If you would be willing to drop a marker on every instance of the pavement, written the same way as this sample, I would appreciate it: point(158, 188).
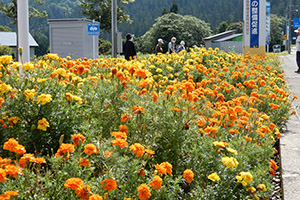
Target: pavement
point(290, 139)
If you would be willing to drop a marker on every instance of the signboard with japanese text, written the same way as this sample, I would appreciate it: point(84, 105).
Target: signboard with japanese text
point(254, 23)
point(94, 28)
point(296, 23)
point(254, 33)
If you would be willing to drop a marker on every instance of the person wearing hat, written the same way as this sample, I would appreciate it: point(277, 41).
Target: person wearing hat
point(181, 46)
point(298, 49)
point(158, 48)
point(171, 46)
point(129, 49)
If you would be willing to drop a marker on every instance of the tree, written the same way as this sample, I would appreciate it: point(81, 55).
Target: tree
point(10, 10)
point(187, 28)
point(164, 11)
point(238, 26)
point(100, 10)
point(222, 27)
point(5, 29)
point(174, 7)
point(276, 29)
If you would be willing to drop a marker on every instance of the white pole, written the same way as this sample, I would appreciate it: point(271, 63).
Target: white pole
point(114, 28)
point(23, 30)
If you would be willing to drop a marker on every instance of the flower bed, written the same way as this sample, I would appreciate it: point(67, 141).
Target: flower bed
point(197, 125)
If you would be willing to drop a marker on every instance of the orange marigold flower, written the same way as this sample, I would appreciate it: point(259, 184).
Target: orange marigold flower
point(2, 175)
point(109, 184)
point(273, 164)
point(149, 152)
point(84, 162)
point(11, 145)
point(120, 142)
point(108, 154)
point(119, 134)
point(141, 73)
point(64, 147)
point(188, 175)
point(11, 193)
point(95, 197)
point(123, 128)
point(123, 96)
point(39, 160)
point(272, 171)
point(78, 139)
point(83, 192)
point(12, 170)
point(293, 112)
point(156, 182)
point(124, 118)
point(137, 149)
point(26, 158)
point(138, 109)
point(176, 109)
point(120, 76)
point(141, 172)
point(160, 169)
point(89, 149)
point(144, 192)
point(164, 168)
point(73, 183)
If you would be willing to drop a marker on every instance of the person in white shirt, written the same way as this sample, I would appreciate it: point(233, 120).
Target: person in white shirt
point(298, 49)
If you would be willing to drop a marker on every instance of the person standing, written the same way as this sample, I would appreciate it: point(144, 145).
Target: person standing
point(298, 49)
point(129, 49)
point(171, 46)
point(158, 48)
point(181, 46)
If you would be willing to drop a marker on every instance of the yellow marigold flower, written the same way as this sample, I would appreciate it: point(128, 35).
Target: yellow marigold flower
point(28, 66)
point(4, 88)
point(43, 124)
point(78, 99)
point(251, 190)
point(244, 178)
point(230, 162)
point(89, 149)
point(12, 121)
point(144, 192)
point(156, 182)
point(220, 144)
point(29, 94)
point(44, 98)
point(109, 184)
point(213, 177)
point(73, 183)
point(137, 149)
point(188, 175)
point(42, 80)
point(95, 197)
point(53, 56)
point(5, 60)
point(69, 96)
point(231, 150)
point(261, 187)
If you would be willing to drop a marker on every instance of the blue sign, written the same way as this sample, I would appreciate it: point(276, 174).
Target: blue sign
point(296, 23)
point(254, 23)
point(268, 22)
point(94, 28)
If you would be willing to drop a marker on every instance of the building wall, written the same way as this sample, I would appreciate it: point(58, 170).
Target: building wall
point(232, 46)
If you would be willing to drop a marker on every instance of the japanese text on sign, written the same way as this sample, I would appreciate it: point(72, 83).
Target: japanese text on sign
point(254, 23)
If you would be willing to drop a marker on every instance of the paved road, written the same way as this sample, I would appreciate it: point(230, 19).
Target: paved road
point(290, 140)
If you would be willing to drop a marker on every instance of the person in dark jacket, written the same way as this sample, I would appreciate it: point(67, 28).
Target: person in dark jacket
point(158, 48)
point(129, 49)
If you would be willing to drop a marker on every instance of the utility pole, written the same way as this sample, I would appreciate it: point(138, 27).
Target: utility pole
point(23, 31)
point(290, 27)
point(114, 28)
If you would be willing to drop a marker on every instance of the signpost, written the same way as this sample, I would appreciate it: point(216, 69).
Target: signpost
point(296, 23)
point(268, 24)
point(94, 30)
point(254, 26)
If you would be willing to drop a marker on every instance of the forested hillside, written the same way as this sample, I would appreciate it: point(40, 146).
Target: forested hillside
point(144, 12)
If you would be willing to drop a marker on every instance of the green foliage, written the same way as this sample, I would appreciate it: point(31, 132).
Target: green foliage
point(186, 28)
point(101, 11)
point(5, 50)
point(104, 47)
point(174, 7)
point(5, 29)
point(222, 27)
point(277, 23)
point(238, 26)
